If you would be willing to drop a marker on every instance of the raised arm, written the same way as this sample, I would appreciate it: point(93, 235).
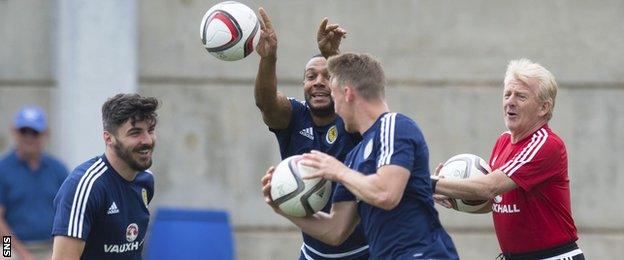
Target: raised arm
point(328, 38)
point(274, 106)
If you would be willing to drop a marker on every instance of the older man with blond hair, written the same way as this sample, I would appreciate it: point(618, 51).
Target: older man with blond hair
point(529, 185)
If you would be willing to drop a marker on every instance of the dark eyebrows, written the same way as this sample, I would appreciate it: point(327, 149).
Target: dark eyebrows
point(134, 128)
point(316, 70)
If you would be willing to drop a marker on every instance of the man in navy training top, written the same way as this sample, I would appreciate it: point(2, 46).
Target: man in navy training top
point(101, 209)
point(29, 179)
point(385, 183)
point(303, 126)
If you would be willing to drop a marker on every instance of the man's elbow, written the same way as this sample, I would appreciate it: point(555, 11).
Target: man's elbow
point(260, 105)
point(387, 201)
point(338, 238)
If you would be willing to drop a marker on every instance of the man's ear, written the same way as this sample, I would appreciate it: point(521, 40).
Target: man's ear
point(349, 93)
point(108, 138)
point(545, 107)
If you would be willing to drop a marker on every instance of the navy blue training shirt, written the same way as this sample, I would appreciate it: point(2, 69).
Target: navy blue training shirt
point(109, 213)
point(412, 229)
point(302, 136)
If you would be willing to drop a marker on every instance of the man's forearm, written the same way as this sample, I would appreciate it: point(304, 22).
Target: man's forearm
point(265, 90)
point(332, 228)
point(383, 189)
point(318, 226)
point(477, 187)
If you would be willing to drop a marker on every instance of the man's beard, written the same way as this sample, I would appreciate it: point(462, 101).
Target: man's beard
point(323, 111)
point(125, 154)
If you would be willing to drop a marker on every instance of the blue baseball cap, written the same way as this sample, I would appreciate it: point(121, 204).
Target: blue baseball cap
point(31, 117)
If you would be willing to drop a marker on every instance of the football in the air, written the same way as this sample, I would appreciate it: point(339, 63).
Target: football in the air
point(463, 166)
point(230, 30)
point(294, 195)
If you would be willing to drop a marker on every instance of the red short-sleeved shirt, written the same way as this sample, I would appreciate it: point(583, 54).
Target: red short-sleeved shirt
point(537, 214)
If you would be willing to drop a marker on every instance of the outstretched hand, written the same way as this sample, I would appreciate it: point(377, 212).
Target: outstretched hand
point(326, 165)
point(328, 38)
point(267, 43)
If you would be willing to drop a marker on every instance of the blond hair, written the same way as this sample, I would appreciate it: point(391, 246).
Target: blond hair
point(362, 71)
point(524, 70)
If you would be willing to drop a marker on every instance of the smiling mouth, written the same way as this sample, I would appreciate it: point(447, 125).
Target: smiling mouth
point(319, 95)
point(144, 152)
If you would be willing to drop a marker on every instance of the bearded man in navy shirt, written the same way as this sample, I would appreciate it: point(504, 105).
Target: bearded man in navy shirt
point(101, 209)
point(303, 126)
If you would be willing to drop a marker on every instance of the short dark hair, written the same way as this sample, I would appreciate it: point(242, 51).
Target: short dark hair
point(363, 71)
point(318, 55)
point(122, 107)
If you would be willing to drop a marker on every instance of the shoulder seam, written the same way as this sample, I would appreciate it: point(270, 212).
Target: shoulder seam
point(528, 152)
point(81, 197)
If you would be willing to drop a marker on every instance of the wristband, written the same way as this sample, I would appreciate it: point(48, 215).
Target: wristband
point(434, 182)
